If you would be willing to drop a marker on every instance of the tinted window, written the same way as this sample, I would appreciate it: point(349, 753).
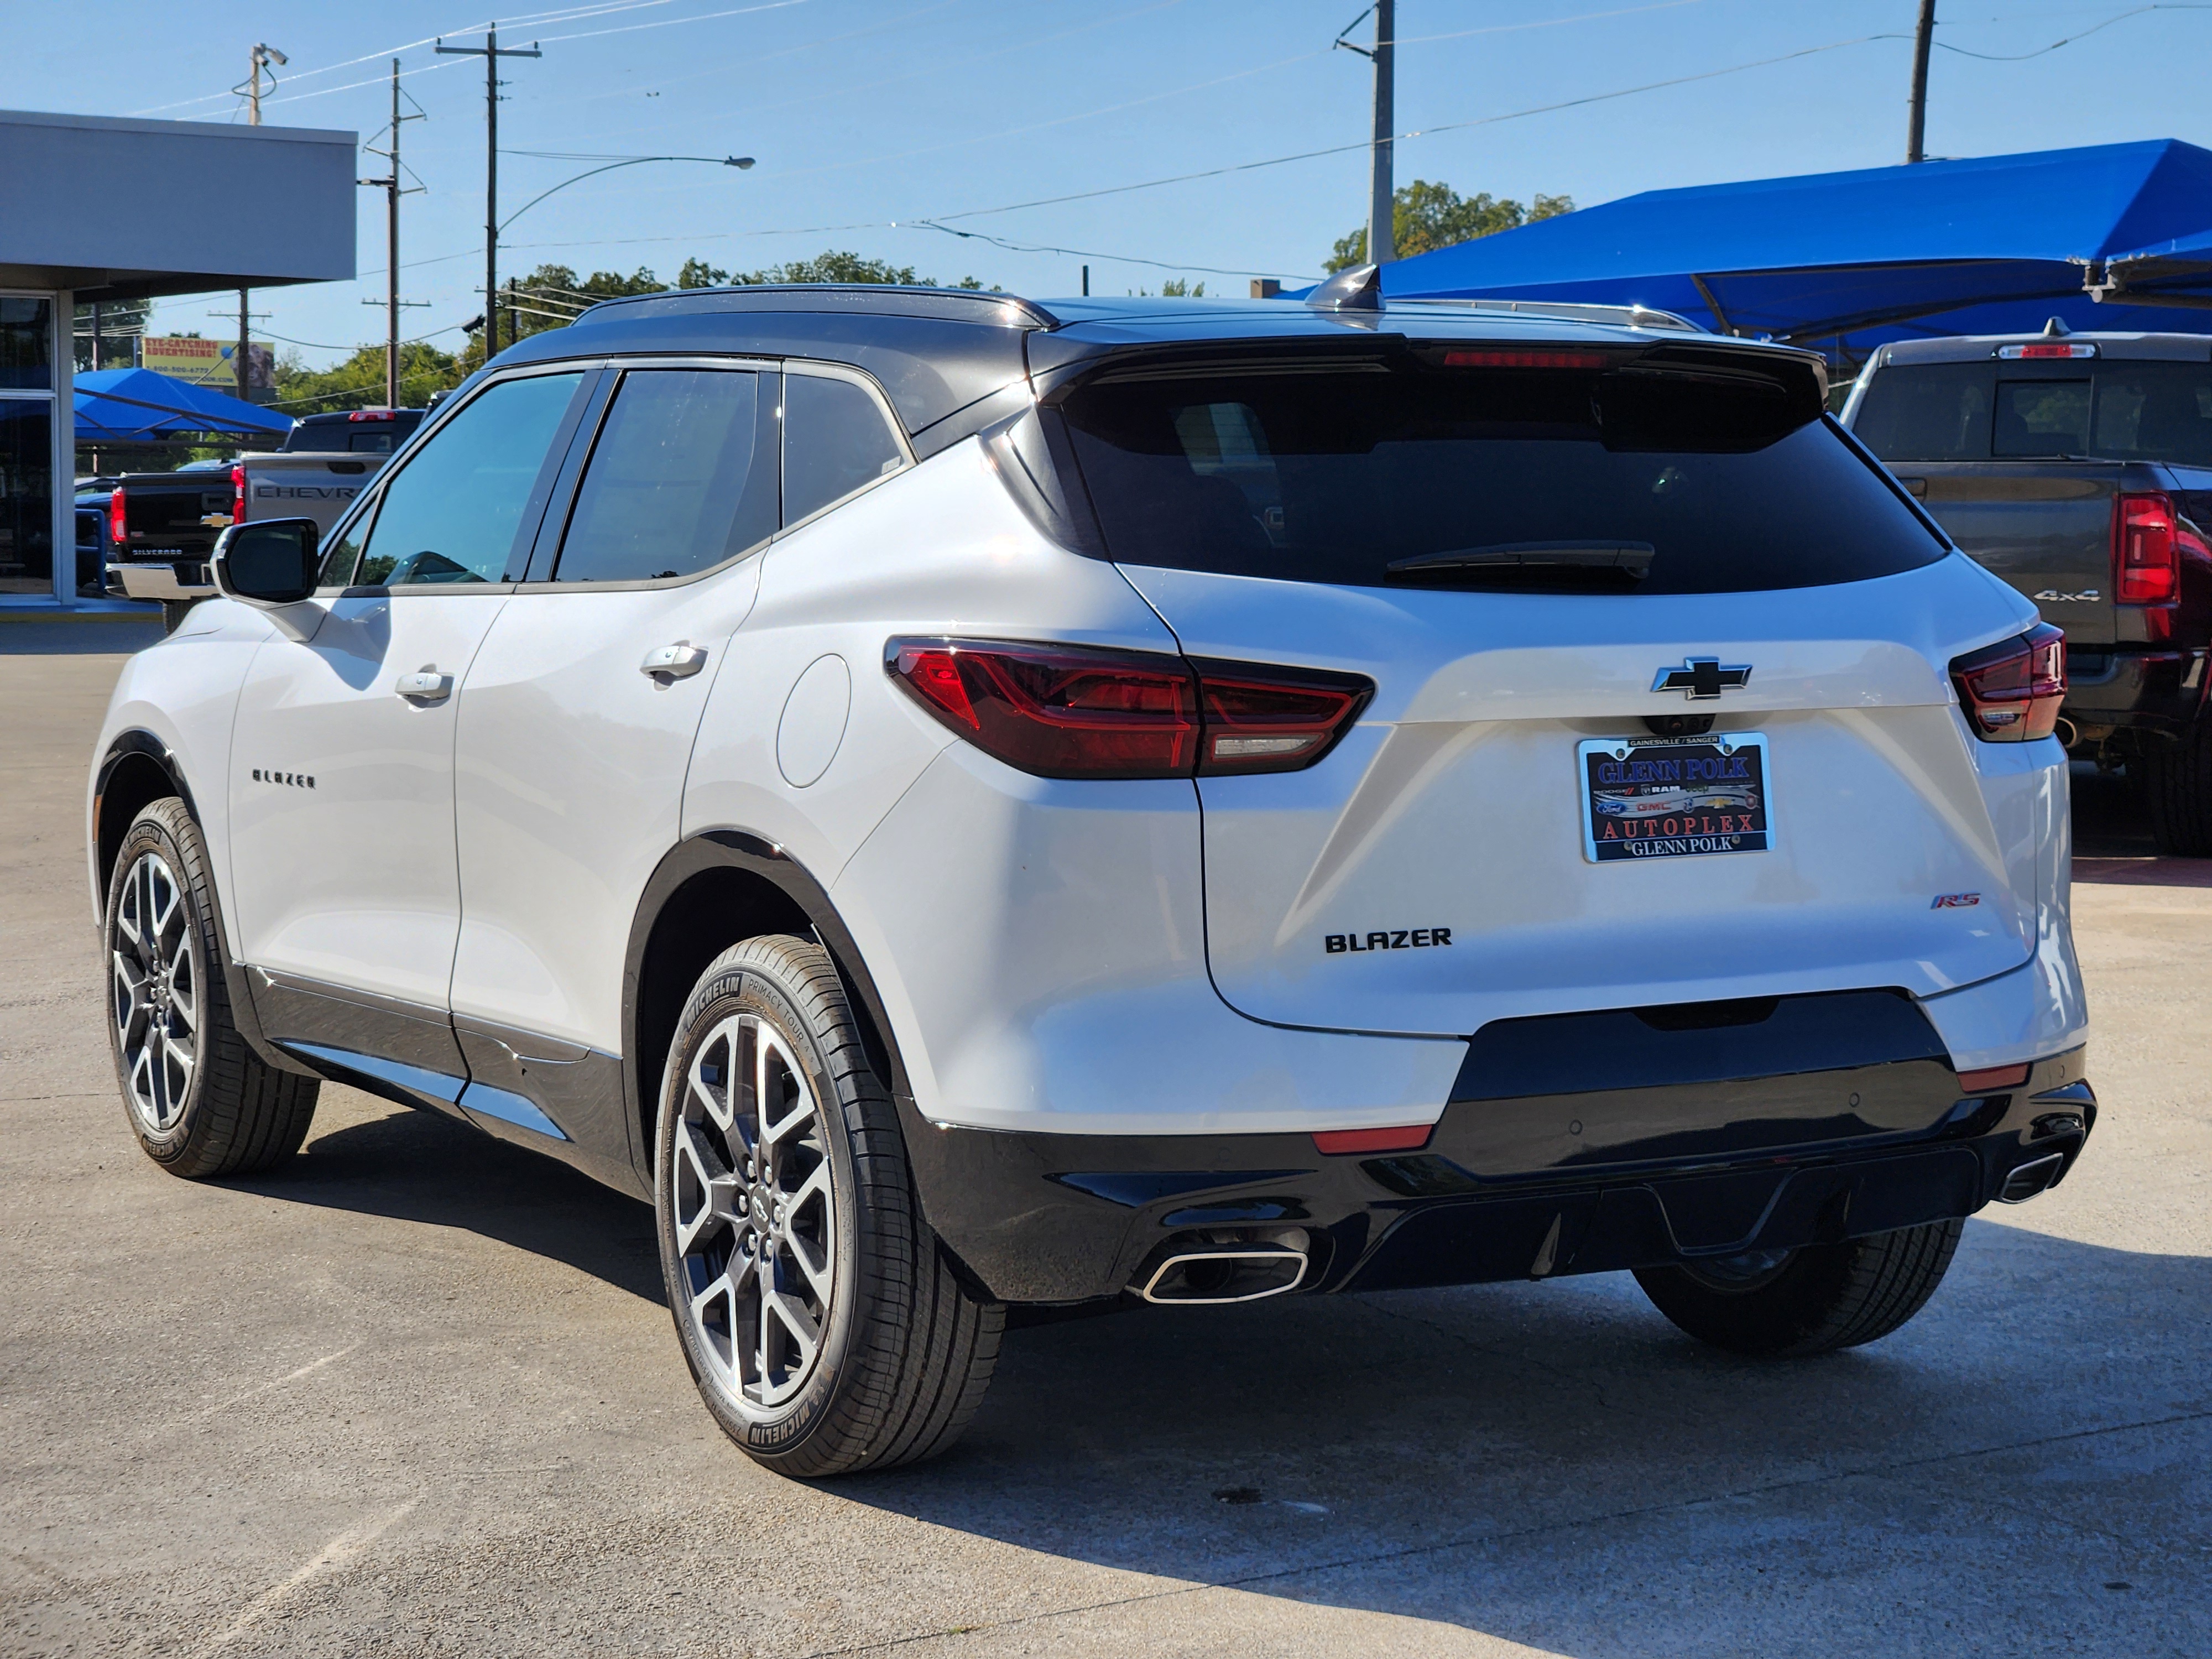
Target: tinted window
point(1931, 412)
point(835, 440)
point(2155, 412)
point(1334, 477)
point(2041, 417)
point(682, 477)
point(2109, 408)
point(380, 440)
point(452, 514)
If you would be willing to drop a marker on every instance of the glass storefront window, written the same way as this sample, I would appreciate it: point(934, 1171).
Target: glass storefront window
point(26, 492)
point(26, 350)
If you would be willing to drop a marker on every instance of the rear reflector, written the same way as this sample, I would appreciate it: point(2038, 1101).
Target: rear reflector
point(1076, 712)
point(1995, 1077)
point(2050, 349)
point(1493, 359)
point(2011, 692)
point(2147, 536)
point(1411, 1139)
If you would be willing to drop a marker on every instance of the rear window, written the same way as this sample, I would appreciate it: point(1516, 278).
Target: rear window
point(1599, 475)
point(2112, 410)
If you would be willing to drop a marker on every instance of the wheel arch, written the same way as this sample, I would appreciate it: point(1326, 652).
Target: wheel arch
point(710, 892)
point(136, 770)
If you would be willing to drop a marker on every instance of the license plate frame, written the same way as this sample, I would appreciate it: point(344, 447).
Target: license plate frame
point(1676, 797)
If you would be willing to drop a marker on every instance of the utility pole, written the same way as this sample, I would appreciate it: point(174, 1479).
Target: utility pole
point(1381, 233)
point(258, 65)
point(491, 52)
point(1916, 119)
point(1382, 236)
point(392, 192)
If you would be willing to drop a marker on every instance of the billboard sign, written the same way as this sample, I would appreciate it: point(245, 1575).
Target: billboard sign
point(205, 362)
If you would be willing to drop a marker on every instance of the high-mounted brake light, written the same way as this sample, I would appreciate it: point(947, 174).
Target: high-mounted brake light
point(1077, 712)
point(116, 530)
point(2011, 691)
point(371, 415)
point(1497, 359)
point(2147, 536)
point(2050, 349)
point(238, 495)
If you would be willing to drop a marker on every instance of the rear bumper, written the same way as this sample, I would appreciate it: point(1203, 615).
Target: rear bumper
point(1526, 1184)
point(185, 579)
point(2145, 692)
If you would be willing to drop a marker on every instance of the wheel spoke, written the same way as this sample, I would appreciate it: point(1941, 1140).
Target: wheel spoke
point(714, 1098)
point(774, 1059)
point(813, 1261)
point(705, 1191)
point(720, 1295)
point(786, 1311)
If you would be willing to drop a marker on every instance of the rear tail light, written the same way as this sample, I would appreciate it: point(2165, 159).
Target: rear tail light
point(1074, 712)
point(116, 529)
point(238, 495)
point(2147, 536)
point(2011, 691)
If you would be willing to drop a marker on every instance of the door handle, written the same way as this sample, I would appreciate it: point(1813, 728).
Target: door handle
point(679, 661)
point(427, 686)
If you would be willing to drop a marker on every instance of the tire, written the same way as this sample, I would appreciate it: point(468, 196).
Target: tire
point(817, 1241)
point(201, 1101)
point(2178, 789)
point(174, 612)
point(1815, 1300)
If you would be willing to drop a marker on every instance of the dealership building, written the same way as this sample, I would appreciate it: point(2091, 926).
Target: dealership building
point(95, 209)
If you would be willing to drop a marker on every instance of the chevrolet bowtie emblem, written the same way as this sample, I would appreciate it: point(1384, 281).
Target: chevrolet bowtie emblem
point(1703, 677)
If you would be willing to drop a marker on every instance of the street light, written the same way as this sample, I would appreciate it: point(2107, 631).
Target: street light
point(741, 162)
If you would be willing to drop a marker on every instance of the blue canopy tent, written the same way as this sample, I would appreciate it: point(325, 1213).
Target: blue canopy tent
point(137, 405)
point(2114, 237)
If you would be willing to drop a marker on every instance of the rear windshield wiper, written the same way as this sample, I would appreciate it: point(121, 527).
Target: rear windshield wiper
point(1609, 563)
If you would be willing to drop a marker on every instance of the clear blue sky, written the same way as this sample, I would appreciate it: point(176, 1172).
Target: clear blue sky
point(866, 115)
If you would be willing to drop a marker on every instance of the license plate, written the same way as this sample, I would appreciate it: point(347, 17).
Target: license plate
point(1671, 798)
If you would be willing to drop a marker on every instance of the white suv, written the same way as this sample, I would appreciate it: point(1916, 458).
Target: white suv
point(972, 806)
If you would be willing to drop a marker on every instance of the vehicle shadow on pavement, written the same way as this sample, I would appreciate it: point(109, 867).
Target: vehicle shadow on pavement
point(418, 1166)
point(1556, 1465)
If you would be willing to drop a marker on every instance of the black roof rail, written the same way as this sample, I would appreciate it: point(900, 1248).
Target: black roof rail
point(906, 298)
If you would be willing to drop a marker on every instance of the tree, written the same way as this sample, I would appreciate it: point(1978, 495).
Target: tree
point(358, 382)
point(1425, 217)
point(119, 320)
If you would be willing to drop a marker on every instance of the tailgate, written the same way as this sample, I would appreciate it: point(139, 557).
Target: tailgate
point(2045, 527)
point(1431, 874)
point(317, 487)
point(166, 517)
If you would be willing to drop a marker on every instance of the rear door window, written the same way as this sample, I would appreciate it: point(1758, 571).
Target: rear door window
point(835, 440)
point(2111, 409)
point(1593, 476)
point(681, 478)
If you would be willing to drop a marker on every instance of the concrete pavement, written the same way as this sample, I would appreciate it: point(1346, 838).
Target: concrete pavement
point(416, 1394)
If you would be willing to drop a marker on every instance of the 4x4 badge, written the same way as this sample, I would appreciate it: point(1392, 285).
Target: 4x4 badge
point(1703, 677)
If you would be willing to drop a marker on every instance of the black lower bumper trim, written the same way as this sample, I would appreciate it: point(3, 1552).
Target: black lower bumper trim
point(1505, 1188)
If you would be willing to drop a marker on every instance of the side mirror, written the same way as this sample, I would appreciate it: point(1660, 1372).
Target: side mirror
point(269, 561)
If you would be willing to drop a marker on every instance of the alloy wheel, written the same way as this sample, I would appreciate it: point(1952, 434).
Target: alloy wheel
point(154, 993)
point(755, 1214)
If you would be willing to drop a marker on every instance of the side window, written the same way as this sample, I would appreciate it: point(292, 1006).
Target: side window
point(835, 440)
point(682, 477)
point(451, 515)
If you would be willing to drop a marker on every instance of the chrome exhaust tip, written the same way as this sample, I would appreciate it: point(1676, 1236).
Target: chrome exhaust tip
point(2067, 732)
point(2031, 1178)
point(1215, 1274)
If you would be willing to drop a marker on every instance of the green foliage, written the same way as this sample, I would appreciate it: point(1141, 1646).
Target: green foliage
point(1425, 217)
point(358, 382)
point(118, 320)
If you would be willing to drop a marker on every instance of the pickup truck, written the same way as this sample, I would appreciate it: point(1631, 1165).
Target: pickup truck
point(2078, 467)
point(161, 527)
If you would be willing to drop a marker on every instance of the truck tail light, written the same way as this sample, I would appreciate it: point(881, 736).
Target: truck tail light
point(2147, 539)
point(2011, 691)
point(238, 495)
point(117, 531)
point(1064, 711)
